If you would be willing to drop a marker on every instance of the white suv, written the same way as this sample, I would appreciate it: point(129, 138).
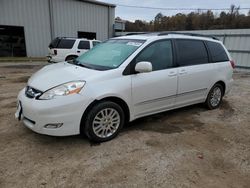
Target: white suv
point(123, 79)
point(66, 49)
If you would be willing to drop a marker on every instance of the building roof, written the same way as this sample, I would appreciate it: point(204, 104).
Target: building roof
point(99, 3)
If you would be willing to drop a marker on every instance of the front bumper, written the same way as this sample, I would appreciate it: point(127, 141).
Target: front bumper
point(66, 110)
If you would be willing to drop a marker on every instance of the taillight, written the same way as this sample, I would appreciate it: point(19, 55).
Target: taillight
point(55, 52)
point(232, 64)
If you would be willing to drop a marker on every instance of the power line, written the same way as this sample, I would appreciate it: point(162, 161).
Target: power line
point(172, 8)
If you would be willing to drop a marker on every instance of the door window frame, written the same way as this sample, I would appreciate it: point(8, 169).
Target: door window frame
point(89, 47)
point(210, 53)
point(176, 51)
point(130, 68)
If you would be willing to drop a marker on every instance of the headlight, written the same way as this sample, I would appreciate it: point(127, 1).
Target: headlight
point(63, 90)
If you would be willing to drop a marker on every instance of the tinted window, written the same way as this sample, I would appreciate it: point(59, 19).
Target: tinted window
point(191, 52)
point(54, 43)
point(66, 43)
point(217, 52)
point(96, 43)
point(159, 54)
point(84, 45)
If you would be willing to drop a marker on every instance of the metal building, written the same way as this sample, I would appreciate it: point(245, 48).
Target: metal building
point(28, 26)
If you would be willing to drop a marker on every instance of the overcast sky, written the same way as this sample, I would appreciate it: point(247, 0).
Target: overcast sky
point(146, 14)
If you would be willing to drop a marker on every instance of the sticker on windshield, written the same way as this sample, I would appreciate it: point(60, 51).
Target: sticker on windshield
point(137, 44)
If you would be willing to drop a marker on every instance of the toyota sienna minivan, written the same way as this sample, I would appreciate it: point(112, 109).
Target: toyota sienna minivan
point(123, 79)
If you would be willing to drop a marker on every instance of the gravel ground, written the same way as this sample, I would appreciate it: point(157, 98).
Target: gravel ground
point(188, 147)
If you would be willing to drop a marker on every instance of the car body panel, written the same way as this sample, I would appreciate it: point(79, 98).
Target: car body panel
point(144, 93)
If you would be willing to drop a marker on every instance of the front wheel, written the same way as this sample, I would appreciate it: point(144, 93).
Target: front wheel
point(214, 97)
point(104, 121)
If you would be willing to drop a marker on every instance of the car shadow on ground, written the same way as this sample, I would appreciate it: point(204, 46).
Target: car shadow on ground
point(170, 122)
point(174, 121)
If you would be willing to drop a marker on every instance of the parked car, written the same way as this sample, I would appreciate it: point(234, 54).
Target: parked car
point(66, 49)
point(123, 79)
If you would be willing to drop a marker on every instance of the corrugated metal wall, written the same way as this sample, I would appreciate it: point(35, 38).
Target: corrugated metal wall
point(33, 16)
point(237, 41)
point(69, 17)
point(72, 16)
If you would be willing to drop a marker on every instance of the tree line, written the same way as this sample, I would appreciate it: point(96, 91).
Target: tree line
point(198, 20)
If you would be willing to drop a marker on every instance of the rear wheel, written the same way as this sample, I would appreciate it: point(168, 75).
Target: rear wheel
point(71, 57)
point(104, 121)
point(214, 97)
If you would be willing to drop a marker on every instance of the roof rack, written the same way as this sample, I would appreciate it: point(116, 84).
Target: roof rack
point(189, 34)
point(72, 38)
point(136, 33)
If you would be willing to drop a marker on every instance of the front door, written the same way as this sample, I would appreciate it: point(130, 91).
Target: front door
point(155, 91)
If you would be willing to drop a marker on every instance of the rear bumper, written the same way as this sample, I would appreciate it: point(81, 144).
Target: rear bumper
point(229, 86)
point(49, 59)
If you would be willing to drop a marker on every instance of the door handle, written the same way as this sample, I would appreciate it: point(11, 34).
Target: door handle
point(78, 51)
point(182, 71)
point(172, 73)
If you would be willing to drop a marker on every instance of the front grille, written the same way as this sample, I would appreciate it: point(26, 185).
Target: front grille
point(31, 92)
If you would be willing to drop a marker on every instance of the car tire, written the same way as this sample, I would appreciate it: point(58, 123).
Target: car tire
point(71, 57)
point(104, 121)
point(214, 97)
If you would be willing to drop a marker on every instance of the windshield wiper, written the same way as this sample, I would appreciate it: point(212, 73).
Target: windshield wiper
point(81, 64)
point(88, 66)
point(73, 61)
point(76, 62)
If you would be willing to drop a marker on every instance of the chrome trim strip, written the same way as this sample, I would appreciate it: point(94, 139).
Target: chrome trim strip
point(168, 97)
point(153, 111)
point(194, 91)
point(155, 100)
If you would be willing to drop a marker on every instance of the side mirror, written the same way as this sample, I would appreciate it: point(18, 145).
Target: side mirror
point(143, 66)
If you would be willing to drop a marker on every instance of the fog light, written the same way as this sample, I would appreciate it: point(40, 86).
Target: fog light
point(53, 126)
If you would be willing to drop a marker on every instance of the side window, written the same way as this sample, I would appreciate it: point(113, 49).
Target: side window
point(84, 45)
point(66, 44)
point(191, 52)
point(218, 53)
point(96, 43)
point(159, 54)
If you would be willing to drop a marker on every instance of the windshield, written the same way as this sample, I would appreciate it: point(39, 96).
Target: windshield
point(110, 54)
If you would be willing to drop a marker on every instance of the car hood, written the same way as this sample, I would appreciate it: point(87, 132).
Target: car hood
point(59, 73)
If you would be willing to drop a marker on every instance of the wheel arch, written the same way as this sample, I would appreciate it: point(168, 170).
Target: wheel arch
point(71, 55)
point(222, 83)
point(114, 99)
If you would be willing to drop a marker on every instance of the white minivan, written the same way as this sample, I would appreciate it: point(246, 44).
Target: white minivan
point(123, 79)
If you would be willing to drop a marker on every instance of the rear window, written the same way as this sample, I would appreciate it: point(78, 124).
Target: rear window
point(84, 45)
point(66, 43)
point(191, 52)
point(217, 52)
point(54, 43)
